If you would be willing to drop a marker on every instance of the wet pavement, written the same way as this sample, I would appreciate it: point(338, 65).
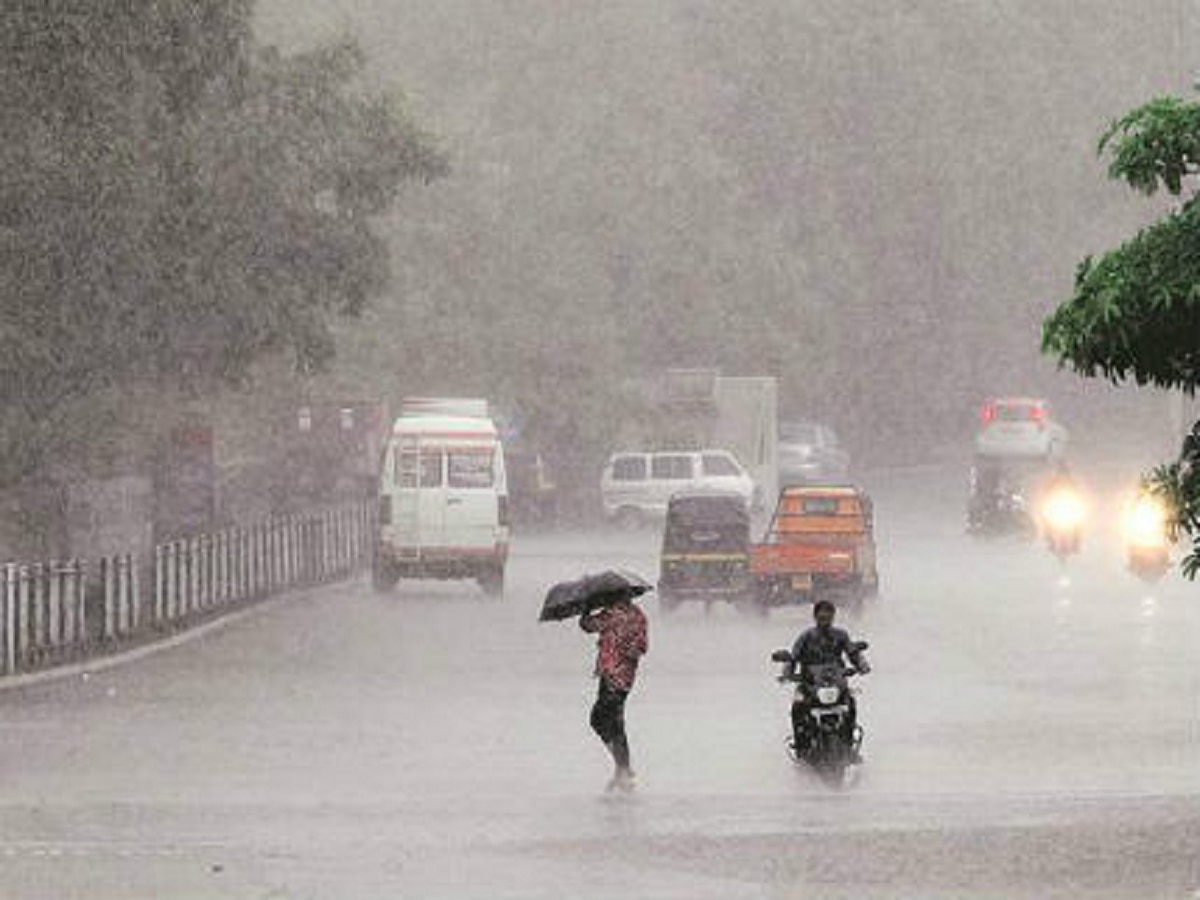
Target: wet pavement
point(1031, 732)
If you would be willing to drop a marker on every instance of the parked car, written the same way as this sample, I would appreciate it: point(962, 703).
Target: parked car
point(705, 549)
point(1020, 427)
point(636, 486)
point(809, 453)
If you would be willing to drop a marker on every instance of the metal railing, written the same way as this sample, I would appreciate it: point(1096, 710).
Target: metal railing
point(60, 611)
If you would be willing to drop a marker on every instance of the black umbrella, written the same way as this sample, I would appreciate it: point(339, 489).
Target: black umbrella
point(574, 598)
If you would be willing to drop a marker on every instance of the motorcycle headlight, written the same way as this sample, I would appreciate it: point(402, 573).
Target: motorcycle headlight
point(827, 696)
point(1146, 522)
point(1064, 510)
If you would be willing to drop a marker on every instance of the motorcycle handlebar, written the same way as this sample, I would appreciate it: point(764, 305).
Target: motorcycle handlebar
point(795, 677)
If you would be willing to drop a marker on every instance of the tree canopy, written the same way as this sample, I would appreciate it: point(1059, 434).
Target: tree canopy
point(1135, 312)
point(177, 201)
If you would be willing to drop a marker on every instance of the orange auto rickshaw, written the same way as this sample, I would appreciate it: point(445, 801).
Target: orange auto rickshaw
point(821, 541)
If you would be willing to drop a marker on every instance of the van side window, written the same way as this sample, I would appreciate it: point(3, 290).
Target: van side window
point(471, 469)
point(629, 468)
point(671, 468)
point(717, 464)
point(406, 468)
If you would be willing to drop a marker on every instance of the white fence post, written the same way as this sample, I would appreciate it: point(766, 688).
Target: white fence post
point(174, 579)
point(135, 593)
point(23, 616)
point(124, 593)
point(67, 601)
point(193, 555)
point(54, 617)
point(108, 578)
point(37, 609)
point(222, 568)
point(201, 557)
point(10, 618)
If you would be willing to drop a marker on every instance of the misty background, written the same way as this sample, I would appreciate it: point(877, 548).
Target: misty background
point(877, 202)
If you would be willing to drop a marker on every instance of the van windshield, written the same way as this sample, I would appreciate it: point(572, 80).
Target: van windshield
point(471, 469)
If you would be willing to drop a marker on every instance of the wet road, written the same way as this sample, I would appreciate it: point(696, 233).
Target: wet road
point(1030, 734)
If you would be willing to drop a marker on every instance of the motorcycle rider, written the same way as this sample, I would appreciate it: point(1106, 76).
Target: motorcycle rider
point(823, 644)
point(985, 496)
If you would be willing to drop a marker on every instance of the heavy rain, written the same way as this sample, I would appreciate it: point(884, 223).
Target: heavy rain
point(430, 432)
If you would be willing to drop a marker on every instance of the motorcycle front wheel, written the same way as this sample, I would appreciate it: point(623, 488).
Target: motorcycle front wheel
point(832, 759)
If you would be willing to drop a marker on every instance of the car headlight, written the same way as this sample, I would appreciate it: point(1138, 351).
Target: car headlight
point(827, 696)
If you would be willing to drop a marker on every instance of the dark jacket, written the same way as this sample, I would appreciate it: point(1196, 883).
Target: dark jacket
point(818, 646)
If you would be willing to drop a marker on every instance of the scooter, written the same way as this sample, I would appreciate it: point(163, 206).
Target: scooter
point(1063, 514)
point(1147, 544)
point(826, 693)
point(1007, 513)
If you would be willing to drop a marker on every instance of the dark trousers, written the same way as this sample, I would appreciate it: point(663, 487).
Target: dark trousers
point(608, 721)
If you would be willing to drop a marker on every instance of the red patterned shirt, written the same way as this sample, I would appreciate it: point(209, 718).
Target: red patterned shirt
point(622, 641)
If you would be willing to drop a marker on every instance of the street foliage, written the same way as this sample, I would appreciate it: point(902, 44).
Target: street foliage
point(177, 202)
point(1135, 311)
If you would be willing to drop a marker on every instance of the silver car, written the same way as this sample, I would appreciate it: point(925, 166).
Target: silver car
point(809, 453)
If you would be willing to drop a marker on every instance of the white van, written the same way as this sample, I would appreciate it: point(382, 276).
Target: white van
point(636, 486)
point(443, 496)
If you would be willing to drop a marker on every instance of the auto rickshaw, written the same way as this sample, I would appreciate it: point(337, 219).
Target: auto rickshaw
point(705, 549)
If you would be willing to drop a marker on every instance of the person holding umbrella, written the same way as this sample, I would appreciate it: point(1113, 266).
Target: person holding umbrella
point(604, 604)
point(622, 642)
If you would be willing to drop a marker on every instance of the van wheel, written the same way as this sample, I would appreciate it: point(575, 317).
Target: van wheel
point(383, 577)
point(492, 582)
point(629, 519)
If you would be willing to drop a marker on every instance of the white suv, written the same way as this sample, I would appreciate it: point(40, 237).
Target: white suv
point(636, 486)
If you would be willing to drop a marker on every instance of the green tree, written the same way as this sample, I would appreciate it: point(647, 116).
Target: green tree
point(1135, 312)
point(177, 202)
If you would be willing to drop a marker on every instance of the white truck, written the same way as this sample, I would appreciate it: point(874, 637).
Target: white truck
point(443, 496)
point(746, 422)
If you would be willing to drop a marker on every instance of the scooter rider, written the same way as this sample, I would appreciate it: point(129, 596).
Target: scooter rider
point(822, 644)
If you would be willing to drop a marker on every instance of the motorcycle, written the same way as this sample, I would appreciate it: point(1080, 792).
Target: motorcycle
point(1063, 514)
point(1006, 513)
point(826, 693)
point(1147, 543)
